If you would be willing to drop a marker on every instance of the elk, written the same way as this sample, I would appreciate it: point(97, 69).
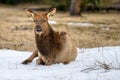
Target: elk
point(51, 46)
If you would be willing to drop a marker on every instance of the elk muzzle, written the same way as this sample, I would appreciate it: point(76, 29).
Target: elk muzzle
point(38, 29)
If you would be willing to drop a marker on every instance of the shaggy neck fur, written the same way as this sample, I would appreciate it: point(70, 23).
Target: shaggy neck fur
point(50, 43)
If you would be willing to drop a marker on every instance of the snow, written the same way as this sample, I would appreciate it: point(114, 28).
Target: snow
point(80, 24)
point(52, 22)
point(86, 67)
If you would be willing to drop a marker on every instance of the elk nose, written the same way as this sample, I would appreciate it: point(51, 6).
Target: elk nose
point(38, 28)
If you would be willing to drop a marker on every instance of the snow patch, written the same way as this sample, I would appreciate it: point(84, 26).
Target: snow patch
point(52, 22)
point(80, 24)
point(73, 23)
point(85, 67)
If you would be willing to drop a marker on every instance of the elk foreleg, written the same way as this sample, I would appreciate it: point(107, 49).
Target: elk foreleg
point(29, 60)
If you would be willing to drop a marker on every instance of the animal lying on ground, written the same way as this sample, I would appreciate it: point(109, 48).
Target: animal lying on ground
point(51, 46)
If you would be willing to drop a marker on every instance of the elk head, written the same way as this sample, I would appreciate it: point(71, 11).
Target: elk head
point(41, 20)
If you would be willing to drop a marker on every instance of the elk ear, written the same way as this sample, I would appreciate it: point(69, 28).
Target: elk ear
point(51, 12)
point(30, 13)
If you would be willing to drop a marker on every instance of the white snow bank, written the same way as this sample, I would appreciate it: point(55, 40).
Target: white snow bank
point(73, 23)
point(85, 67)
point(52, 22)
point(80, 24)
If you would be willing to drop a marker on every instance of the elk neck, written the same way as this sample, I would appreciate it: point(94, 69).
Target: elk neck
point(44, 42)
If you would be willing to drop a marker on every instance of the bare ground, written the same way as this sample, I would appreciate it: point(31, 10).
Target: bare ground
point(16, 29)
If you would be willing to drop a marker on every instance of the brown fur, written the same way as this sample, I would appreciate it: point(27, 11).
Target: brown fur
point(51, 46)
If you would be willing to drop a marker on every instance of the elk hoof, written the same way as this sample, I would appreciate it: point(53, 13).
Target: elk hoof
point(65, 62)
point(38, 61)
point(26, 61)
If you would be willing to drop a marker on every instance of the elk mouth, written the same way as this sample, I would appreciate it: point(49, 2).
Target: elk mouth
point(38, 29)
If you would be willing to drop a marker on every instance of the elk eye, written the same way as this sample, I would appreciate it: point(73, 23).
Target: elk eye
point(34, 20)
point(38, 28)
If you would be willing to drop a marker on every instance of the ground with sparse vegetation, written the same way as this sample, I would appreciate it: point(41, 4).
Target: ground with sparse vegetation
point(16, 28)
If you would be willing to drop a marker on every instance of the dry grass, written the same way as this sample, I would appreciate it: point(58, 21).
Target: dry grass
point(16, 29)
